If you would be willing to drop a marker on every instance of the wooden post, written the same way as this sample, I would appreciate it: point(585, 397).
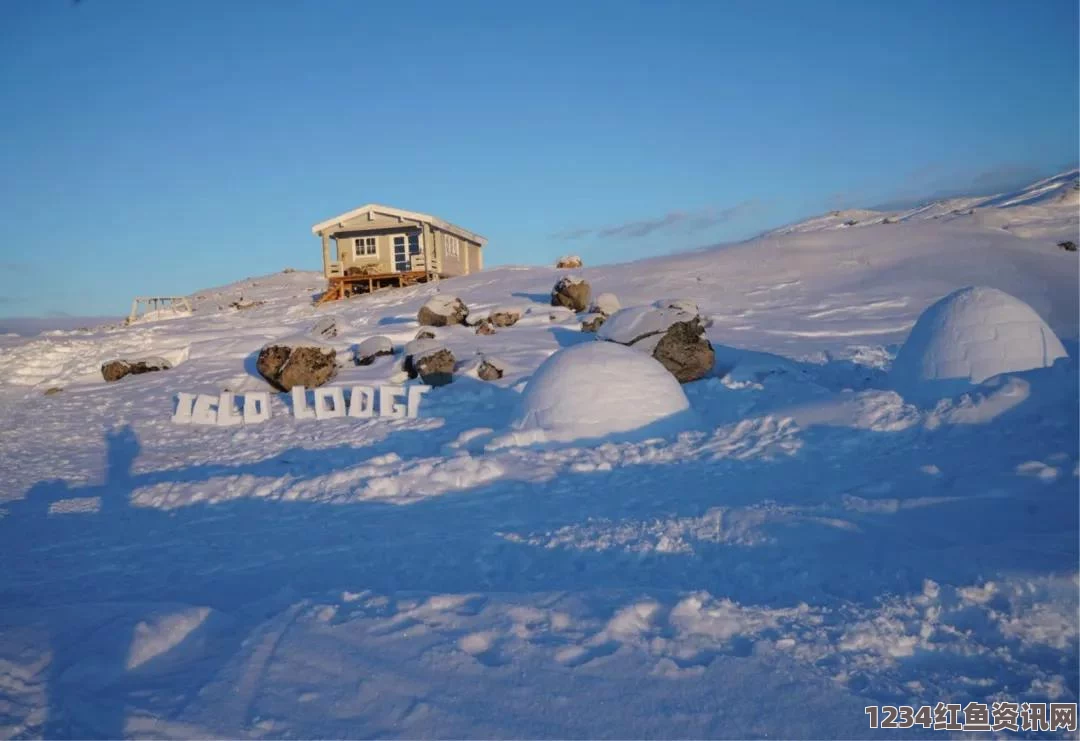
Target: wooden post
point(325, 254)
point(429, 242)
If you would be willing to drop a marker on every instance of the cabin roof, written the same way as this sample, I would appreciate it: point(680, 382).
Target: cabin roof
point(329, 224)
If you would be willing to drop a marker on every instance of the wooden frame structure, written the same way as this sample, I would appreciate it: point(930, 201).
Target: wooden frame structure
point(154, 304)
point(343, 286)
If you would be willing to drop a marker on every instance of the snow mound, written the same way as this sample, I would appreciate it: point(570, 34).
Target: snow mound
point(969, 336)
point(595, 390)
point(373, 346)
point(605, 303)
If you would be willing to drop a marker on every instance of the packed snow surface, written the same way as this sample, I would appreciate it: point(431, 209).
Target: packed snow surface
point(595, 390)
point(969, 336)
point(812, 545)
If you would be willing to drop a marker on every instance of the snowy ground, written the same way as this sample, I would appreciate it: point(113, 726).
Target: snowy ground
point(818, 544)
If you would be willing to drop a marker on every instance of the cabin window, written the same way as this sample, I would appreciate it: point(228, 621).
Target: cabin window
point(451, 245)
point(364, 247)
point(414, 244)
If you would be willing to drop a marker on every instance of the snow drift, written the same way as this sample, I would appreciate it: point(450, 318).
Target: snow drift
point(969, 336)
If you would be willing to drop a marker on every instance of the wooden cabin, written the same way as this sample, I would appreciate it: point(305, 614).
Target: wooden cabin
point(377, 246)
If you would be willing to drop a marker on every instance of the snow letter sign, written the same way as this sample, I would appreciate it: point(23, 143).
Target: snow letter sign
point(327, 402)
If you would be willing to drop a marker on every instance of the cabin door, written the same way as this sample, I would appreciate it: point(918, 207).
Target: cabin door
point(405, 246)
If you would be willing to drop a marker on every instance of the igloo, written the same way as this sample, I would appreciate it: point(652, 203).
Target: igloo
point(969, 336)
point(598, 389)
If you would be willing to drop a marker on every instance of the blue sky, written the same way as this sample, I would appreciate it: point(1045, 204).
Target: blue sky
point(163, 147)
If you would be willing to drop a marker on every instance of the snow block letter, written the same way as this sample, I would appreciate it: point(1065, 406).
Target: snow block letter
point(415, 392)
point(362, 402)
point(329, 402)
point(256, 407)
point(300, 407)
point(205, 410)
point(387, 407)
point(184, 402)
point(226, 415)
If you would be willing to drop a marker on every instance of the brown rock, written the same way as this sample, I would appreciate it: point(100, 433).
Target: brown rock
point(284, 367)
point(53, 390)
point(573, 293)
point(485, 327)
point(593, 324)
point(435, 368)
point(488, 371)
point(425, 334)
point(568, 261)
point(114, 370)
point(685, 352)
point(504, 318)
point(441, 311)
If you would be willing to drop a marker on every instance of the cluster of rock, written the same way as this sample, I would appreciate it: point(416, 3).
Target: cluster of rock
point(114, 370)
point(671, 331)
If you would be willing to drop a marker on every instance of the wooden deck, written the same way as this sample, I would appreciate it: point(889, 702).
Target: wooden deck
point(343, 286)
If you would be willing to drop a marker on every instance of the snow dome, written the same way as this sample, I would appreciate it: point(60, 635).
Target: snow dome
point(597, 389)
point(969, 336)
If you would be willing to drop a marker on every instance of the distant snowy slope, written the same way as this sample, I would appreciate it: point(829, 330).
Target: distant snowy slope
point(1047, 207)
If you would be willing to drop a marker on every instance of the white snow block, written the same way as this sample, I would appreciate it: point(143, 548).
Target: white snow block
point(362, 402)
point(416, 391)
point(301, 410)
point(184, 403)
point(967, 337)
point(204, 412)
point(387, 407)
point(329, 402)
point(256, 407)
point(228, 415)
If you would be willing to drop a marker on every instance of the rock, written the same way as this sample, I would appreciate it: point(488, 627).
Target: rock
point(285, 366)
point(674, 337)
point(1068, 245)
point(568, 261)
point(114, 370)
point(53, 390)
point(489, 370)
point(571, 292)
point(485, 327)
point(435, 367)
point(371, 348)
point(244, 303)
point(593, 323)
point(606, 304)
point(441, 311)
point(685, 352)
point(504, 317)
point(424, 334)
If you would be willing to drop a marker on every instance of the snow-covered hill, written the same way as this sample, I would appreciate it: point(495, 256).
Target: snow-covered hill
point(1045, 208)
point(816, 543)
